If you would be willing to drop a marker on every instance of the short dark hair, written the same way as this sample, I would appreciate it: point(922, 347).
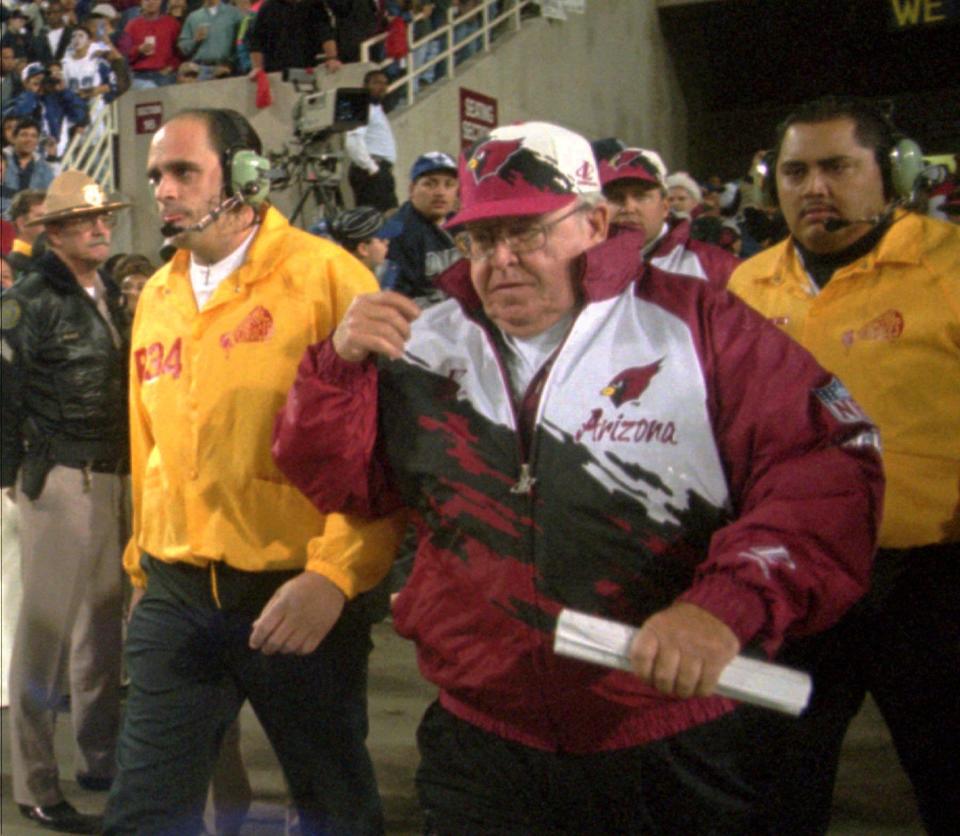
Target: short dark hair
point(873, 129)
point(228, 129)
point(130, 264)
point(26, 122)
point(24, 201)
point(371, 73)
point(229, 132)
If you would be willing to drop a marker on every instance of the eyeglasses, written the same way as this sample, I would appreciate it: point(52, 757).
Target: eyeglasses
point(85, 224)
point(522, 238)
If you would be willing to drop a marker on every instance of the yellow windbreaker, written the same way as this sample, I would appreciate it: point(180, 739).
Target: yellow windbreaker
point(205, 388)
point(888, 325)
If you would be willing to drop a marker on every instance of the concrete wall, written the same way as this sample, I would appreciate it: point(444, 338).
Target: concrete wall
point(605, 73)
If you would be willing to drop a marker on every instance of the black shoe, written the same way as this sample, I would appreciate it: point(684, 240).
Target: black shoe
point(94, 783)
point(63, 817)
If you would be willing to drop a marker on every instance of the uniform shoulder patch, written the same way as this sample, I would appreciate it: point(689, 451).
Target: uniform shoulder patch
point(10, 313)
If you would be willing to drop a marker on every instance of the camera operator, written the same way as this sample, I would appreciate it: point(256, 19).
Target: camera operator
point(47, 100)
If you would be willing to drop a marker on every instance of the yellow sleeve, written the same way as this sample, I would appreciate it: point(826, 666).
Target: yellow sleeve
point(355, 553)
point(141, 443)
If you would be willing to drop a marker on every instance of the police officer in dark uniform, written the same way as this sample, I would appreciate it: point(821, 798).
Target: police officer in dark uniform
point(64, 454)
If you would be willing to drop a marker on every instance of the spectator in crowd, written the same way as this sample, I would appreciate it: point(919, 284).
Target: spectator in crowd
point(130, 274)
point(7, 127)
point(209, 36)
point(634, 181)
point(26, 169)
point(87, 72)
point(483, 417)
point(242, 62)
point(356, 20)
point(292, 34)
point(178, 10)
point(361, 233)
point(67, 466)
point(10, 84)
point(47, 100)
point(150, 46)
point(872, 291)
point(373, 151)
point(718, 232)
point(683, 195)
point(252, 634)
point(7, 274)
point(20, 39)
point(712, 193)
point(420, 248)
point(430, 16)
point(25, 211)
point(463, 30)
point(70, 14)
point(52, 41)
point(7, 192)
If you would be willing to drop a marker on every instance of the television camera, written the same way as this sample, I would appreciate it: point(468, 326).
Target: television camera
point(311, 161)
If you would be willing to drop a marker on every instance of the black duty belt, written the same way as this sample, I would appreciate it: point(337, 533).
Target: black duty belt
point(96, 456)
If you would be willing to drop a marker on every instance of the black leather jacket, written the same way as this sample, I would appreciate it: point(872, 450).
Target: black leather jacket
point(64, 381)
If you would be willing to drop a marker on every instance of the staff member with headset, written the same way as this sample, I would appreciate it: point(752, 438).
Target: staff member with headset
point(234, 600)
point(873, 290)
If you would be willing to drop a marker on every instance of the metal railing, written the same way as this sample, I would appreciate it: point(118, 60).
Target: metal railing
point(435, 55)
point(438, 53)
point(92, 150)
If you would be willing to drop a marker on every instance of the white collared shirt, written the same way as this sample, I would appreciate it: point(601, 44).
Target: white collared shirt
point(205, 278)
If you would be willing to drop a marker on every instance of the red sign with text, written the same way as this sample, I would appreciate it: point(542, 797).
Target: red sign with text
point(148, 117)
point(478, 116)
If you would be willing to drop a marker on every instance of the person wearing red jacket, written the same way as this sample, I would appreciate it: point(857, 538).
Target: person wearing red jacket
point(634, 182)
point(576, 428)
point(149, 43)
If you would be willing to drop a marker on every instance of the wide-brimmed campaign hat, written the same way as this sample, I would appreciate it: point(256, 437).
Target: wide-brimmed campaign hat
point(526, 169)
point(73, 194)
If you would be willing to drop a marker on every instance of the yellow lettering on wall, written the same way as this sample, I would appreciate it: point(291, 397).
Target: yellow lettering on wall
point(907, 12)
point(932, 11)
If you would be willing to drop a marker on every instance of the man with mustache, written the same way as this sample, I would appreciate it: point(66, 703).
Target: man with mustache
point(64, 433)
point(873, 291)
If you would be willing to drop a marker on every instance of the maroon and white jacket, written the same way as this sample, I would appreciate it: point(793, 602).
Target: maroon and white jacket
point(677, 446)
point(677, 252)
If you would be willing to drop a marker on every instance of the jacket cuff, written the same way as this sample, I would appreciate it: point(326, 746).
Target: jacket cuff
point(741, 608)
point(336, 371)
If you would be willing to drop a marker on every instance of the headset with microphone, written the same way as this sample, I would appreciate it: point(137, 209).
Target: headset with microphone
point(246, 173)
point(901, 164)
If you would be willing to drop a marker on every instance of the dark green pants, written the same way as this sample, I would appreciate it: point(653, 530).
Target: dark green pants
point(191, 669)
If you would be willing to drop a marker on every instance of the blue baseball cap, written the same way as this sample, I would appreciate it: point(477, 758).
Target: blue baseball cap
point(430, 162)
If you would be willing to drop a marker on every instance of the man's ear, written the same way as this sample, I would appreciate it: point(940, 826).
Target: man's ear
point(598, 222)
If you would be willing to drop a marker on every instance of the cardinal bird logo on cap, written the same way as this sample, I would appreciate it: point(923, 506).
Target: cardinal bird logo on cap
point(631, 158)
point(630, 384)
point(510, 161)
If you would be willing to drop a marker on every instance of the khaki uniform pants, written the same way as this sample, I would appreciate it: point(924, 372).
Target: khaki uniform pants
point(68, 636)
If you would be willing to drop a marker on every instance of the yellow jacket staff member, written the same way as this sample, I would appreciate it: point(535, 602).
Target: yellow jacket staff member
point(875, 295)
point(239, 599)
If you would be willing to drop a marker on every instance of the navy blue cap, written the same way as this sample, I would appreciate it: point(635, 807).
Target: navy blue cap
point(433, 161)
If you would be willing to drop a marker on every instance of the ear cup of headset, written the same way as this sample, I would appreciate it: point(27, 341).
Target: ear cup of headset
point(248, 176)
point(906, 166)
